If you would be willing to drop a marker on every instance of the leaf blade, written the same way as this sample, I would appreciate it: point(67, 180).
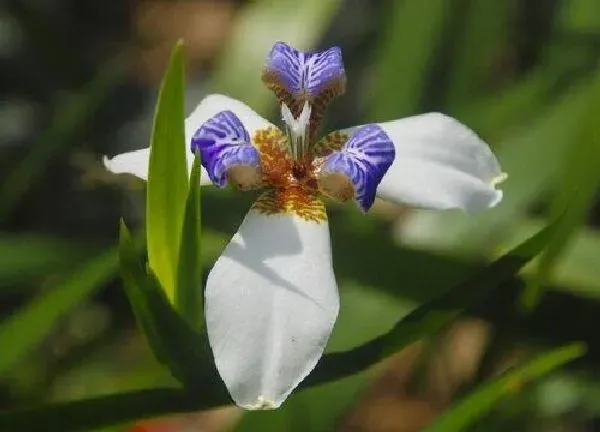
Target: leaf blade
point(189, 295)
point(167, 175)
point(575, 195)
point(173, 342)
point(431, 316)
point(24, 330)
point(481, 400)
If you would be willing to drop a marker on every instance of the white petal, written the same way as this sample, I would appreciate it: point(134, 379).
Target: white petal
point(136, 162)
point(271, 303)
point(440, 164)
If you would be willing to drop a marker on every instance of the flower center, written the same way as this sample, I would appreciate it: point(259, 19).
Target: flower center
point(291, 183)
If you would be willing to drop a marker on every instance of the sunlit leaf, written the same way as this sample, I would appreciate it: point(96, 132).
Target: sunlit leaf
point(480, 401)
point(167, 176)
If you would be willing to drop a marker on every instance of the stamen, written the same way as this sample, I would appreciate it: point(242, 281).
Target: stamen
point(297, 130)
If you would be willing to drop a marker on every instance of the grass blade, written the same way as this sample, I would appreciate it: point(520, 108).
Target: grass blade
point(189, 294)
point(577, 187)
point(27, 256)
point(102, 411)
point(431, 317)
point(404, 59)
point(480, 401)
point(26, 328)
point(173, 341)
point(167, 176)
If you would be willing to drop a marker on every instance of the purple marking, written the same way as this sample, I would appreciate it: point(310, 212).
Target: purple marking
point(364, 159)
point(299, 72)
point(223, 142)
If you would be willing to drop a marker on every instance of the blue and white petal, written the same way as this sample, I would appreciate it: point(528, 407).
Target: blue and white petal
point(226, 151)
point(440, 164)
point(136, 162)
point(304, 74)
point(357, 168)
point(271, 302)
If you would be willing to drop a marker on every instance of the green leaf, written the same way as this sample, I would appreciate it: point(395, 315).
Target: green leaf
point(23, 331)
point(173, 341)
point(167, 176)
point(577, 270)
point(431, 317)
point(472, 407)
point(577, 188)
point(412, 36)
point(103, 411)
point(482, 36)
point(189, 292)
point(28, 256)
point(169, 333)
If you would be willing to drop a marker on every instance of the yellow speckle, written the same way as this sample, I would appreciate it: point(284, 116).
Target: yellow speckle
point(291, 186)
point(262, 404)
point(499, 179)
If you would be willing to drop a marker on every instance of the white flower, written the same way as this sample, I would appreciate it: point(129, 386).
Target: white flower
point(271, 298)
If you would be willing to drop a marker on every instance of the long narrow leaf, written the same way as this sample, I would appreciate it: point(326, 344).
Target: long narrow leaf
point(188, 292)
point(404, 59)
point(23, 331)
point(575, 195)
point(172, 340)
point(167, 176)
point(433, 316)
point(483, 399)
point(28, 256)
point(423, 321)
point(102, 411)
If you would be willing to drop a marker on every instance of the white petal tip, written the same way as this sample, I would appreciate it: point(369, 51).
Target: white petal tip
point(135, 163)
point(499, 179)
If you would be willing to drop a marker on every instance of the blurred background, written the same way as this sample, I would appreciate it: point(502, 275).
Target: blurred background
point(79, 80)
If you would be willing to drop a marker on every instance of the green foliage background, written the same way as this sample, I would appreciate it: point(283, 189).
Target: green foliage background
point(523, 74)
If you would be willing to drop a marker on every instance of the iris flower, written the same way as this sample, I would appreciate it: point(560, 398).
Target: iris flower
point(271, 299)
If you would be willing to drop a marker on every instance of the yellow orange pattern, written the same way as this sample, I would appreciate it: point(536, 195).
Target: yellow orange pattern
point(291, 185)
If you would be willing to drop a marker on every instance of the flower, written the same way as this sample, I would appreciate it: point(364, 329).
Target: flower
point(271, 297)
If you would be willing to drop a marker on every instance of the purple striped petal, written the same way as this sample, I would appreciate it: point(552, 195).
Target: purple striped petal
point(296, 77)
point(360, 165)
point(224, 143)
point(303, 73)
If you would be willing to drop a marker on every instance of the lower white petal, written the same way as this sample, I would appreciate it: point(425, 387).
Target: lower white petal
point(136, 162)
point(271, 303)
point(440, 164)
